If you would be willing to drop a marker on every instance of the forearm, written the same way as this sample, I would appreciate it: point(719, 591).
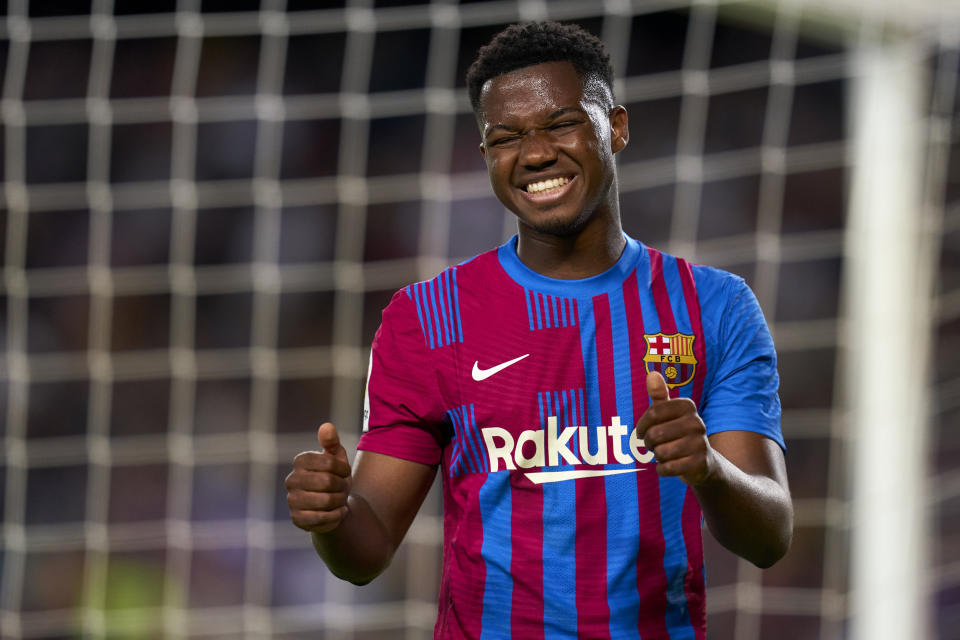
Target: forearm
point(751, 515)
point(360, 548)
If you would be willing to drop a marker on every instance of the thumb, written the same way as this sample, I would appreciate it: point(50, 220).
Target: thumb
point(657, 388)
point(330, 441)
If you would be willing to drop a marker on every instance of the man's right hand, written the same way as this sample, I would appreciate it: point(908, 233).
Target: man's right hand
point(319, 484)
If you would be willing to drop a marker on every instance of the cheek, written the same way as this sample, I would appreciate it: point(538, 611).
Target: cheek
point(493, 169)
point(599, 149)
point(588, 142)
point(498, 166)
point(601, 139)
point(589, 152)
point(499, 174)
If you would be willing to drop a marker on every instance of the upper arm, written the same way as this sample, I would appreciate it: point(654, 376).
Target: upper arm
point(405, 422)
point(394, 489)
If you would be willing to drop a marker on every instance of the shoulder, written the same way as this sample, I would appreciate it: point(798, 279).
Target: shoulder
point(722, 295)
point(731, 314)
point(714, 282)
point(714, 288)
point(729, 310)
point(447, 282)
point(433, 305)
point(476, 267)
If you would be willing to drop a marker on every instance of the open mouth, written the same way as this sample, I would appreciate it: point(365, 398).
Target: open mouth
point(546, 186)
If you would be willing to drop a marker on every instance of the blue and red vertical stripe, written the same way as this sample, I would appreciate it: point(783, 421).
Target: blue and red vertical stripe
point(469, 453)
point(549, 312)
point(438, 308)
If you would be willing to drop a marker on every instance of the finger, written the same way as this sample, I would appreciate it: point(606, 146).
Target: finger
point(676, 467)
point(660, 413)
point(691, 469)
point(329, 439)
point(313, 501)
point(322, 463)
point(318, 521)
point(317, 481)
point(677, 449)
point(657, 388)
point(674, 421)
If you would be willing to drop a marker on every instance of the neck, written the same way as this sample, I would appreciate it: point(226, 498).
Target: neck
point(588, 252)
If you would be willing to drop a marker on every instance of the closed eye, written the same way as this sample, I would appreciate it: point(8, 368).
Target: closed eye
point(499, 142)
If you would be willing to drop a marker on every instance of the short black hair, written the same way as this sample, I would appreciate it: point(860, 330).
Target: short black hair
point(527, 44)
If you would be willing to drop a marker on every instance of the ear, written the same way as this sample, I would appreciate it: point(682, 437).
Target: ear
point(483, 151)
point(619, 128)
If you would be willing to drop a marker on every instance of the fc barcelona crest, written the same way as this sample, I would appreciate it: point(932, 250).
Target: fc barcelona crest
point(671, 355)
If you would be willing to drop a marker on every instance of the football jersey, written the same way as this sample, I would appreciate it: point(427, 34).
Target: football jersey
point(525, 390)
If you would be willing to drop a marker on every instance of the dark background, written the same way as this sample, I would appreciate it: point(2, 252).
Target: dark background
point(207, 205)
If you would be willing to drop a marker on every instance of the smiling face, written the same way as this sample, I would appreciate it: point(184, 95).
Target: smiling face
point(548, 142)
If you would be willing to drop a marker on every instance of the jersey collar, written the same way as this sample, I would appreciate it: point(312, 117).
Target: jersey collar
point(581, 288)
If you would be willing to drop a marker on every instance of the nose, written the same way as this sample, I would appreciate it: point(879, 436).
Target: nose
point(536, 150)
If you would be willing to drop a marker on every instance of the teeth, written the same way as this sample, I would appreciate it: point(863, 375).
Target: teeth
point(546, 185)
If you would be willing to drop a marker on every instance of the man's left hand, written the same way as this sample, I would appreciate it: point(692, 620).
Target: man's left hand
point(672, 429)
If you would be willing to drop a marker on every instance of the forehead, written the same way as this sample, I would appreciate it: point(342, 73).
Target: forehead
point(530, 90)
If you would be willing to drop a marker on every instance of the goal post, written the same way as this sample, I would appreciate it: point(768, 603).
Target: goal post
point(889, 302)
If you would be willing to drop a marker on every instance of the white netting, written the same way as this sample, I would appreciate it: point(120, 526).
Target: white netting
point(207, 204)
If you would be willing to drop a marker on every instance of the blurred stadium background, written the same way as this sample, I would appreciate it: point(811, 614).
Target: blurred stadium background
point(207, 203)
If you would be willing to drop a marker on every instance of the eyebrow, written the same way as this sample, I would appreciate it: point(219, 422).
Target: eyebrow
point(553, 116)
point(563, 111)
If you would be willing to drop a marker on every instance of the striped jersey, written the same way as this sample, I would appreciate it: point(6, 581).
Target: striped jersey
point(524, 390)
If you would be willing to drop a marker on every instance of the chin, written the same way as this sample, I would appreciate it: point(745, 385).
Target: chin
point(559, 228)
point(556, 225)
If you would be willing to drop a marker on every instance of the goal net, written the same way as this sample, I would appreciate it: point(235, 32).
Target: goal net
point(207, 204)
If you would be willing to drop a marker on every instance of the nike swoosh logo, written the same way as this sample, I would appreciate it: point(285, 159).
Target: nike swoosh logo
point(482, 374)
point(539, 477)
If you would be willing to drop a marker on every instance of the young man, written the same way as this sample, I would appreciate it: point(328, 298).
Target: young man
point(521, 374)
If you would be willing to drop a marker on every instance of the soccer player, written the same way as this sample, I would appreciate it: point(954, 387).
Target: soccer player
point(587, 399)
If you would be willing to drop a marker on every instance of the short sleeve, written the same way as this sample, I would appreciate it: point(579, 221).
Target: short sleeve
point(742, 389)
point(403, 415)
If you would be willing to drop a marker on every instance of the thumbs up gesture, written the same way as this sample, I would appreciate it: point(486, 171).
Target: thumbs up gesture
point(672, 429)
point(319, 484)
